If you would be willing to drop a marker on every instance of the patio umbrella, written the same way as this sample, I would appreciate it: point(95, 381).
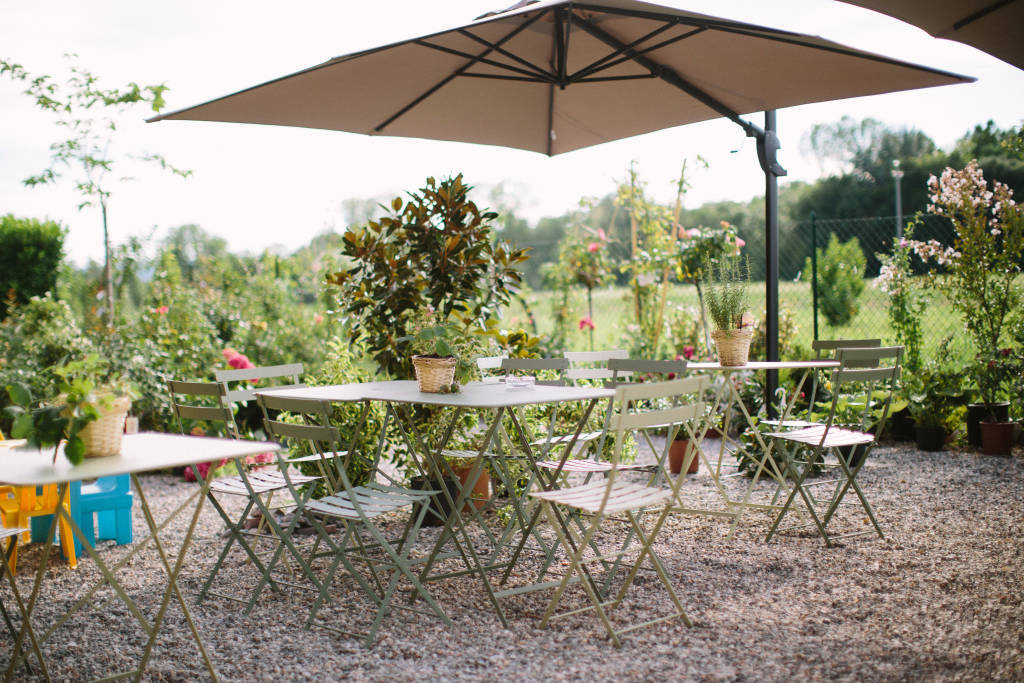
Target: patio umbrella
point(993, 26)
point(556, 76)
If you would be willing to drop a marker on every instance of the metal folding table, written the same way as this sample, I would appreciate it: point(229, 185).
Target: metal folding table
point(139, 453)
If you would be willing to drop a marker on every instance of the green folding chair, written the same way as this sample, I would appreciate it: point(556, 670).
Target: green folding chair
point(646, 406)
point(866, 379)
point(359, 509)
point(206, 402)
point(621, 371)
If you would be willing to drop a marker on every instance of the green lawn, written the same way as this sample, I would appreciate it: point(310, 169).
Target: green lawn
point(613, 314)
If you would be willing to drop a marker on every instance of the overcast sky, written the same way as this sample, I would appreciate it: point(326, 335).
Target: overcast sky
point(259, 186)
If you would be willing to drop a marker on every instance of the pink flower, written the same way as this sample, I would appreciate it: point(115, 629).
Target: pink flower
point(601, 234)
point(688, 351)
point(740, 242)
point(240, 362)
point(593, 246)
point(690, 234)
point(204, 470)
point(317, 319)
point(586, 322)
point(161, 310)
point(229, 353)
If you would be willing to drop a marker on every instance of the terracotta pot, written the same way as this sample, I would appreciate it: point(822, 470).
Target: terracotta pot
point(976, 412)
point(997, 438)
point(481, 490)
point(677, 454)
point(930, 438)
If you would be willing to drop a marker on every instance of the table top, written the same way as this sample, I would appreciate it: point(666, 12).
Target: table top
point(768, 365)
point(139, 453)
point(472, 395)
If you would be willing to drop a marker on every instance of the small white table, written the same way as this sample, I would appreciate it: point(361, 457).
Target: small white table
point(139, 453)
point(728, 399)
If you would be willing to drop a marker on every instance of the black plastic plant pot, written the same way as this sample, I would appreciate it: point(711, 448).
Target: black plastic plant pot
point(977, 412)
point(930, 438)
point(853, 455)
point(440, 509)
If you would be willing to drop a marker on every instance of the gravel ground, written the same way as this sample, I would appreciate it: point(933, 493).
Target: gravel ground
point(941, 598)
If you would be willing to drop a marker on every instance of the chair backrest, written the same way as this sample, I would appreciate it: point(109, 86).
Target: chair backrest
point(673, 406)
point(864, 381)
point(192, 401)
point(555, 365)
point(633, 370)
point(591, 365)
point(323, 438)
point(247, 390)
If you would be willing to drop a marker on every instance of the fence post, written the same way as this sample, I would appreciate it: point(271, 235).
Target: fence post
point(814, 272)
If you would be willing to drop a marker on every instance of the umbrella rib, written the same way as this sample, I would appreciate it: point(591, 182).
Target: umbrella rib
point(602, 79)
point(670, 76)
point(600, 65)
point(505, 77)
point(983, 12)
point(533, 72)
point(774, 34)
point(525, 62)
point(458, 72)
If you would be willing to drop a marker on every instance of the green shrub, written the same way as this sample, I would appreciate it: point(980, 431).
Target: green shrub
point(30, 257)
point(840, 279)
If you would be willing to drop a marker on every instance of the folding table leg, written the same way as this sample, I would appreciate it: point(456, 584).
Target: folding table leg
point(26, 623)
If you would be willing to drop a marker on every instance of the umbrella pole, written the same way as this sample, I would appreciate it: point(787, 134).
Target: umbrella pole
point(767, 146)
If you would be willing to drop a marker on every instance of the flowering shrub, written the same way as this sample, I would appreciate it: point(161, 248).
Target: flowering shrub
point(981, 270)
point(906, 300)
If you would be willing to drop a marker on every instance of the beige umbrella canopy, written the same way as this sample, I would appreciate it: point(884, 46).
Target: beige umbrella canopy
point(994, 26)
point(553, 77)
point(559, 75)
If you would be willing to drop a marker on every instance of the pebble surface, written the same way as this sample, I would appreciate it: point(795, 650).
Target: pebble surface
point(940, 598)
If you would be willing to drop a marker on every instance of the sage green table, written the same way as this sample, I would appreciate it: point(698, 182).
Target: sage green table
point(491, 396)
point(139, 453)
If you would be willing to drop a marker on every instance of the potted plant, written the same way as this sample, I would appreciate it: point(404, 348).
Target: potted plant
point(994, 373)
point(678, 451)
point(725, 295)
point(481, 492)
point(934, 393)
point(438, 345)
point(980, 272)
point(88, 414)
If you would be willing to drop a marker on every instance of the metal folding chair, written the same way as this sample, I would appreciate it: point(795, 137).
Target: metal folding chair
point(359, 509)
point(257, 486)
point(646, 406)
point(621, 371)
point(823, 349)
point(866, 377)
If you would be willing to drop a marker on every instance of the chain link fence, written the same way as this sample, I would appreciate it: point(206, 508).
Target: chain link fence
point(802, 319)
point(873, 236)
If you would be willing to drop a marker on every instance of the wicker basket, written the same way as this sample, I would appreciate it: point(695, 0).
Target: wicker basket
point(102, 436)
point(733, 346)
point(433, 374)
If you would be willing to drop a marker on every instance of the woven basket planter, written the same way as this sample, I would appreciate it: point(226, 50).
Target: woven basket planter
point(733, 346)
point(433, 374)
point(102, 437)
